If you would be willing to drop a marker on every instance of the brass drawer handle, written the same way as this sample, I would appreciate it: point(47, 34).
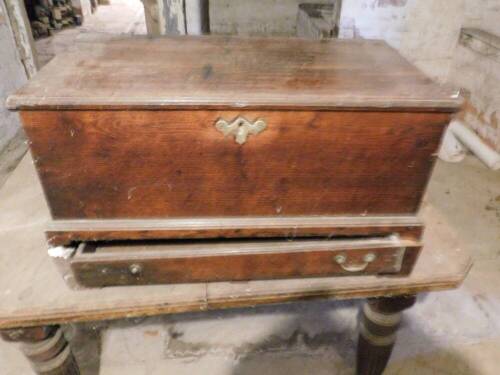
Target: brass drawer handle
point(367, 259)
point(240, 128)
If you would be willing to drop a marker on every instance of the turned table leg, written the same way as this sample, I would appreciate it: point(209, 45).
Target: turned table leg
point(46, 348)
point(379, 324)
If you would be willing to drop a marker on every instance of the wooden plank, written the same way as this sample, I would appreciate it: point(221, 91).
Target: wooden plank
point(232, 72)
point(34, 293)
point(176, 164)
point(64, 232)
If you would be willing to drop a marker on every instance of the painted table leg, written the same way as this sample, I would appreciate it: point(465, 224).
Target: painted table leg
point(379, 324)
point(46, 348)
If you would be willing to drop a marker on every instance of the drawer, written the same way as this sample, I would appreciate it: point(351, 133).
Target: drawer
point(97, 265)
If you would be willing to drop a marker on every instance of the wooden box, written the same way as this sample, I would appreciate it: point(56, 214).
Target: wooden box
point(210, 138)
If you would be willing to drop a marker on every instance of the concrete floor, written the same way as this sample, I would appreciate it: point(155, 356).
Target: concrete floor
point(121, 17)
point(454, 332)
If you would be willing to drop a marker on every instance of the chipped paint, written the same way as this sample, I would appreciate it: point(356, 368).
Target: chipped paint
point(391, 3)
point(60, 252)
point(12, 76)
point(175, 23)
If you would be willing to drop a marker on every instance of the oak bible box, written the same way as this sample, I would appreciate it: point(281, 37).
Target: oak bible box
point(247, 158)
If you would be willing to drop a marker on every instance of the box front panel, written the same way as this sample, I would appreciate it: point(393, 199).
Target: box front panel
point(168, 164)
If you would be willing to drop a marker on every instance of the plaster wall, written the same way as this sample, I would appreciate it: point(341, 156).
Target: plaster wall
point(256, 17)
point(476, 69)
point(483, 14)
point(12, 76)
point(424, 31)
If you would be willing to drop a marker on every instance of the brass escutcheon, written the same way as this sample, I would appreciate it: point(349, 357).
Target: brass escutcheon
point(240, 128)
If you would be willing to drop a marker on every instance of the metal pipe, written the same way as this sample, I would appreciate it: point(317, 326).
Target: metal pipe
point(451, 151)
point(475, 144)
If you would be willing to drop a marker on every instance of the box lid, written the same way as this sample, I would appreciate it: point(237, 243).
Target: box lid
point(233, 72)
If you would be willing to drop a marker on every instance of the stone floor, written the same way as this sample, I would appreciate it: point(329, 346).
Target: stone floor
point(455, 332)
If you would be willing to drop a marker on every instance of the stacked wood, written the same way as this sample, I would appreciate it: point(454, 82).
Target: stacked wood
point(52, 15)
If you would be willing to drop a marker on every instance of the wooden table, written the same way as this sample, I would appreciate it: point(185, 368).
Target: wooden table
point(35, 300)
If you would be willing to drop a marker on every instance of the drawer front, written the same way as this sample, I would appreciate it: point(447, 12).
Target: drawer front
point(168, 164)
point(154, 264)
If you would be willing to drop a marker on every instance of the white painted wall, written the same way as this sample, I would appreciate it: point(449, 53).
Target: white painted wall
point(480, 74)
point(12, 76)
point(255, 17)
point(424, 31)
point(476, 68)
point(483, 14)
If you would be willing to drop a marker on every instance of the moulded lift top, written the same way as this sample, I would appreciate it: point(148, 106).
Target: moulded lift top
point(234, 72)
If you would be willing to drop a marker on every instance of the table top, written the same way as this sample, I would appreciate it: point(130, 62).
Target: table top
point(32, 291)
point(233, 72)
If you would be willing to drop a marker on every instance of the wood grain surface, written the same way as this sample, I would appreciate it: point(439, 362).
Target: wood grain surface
point(34, 293)
point(66, 232)
point(167, 164)
point(233, 72)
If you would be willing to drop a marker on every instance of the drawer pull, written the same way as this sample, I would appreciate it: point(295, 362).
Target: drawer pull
point(240, 128)
point(135, 269)
point(341, 260)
